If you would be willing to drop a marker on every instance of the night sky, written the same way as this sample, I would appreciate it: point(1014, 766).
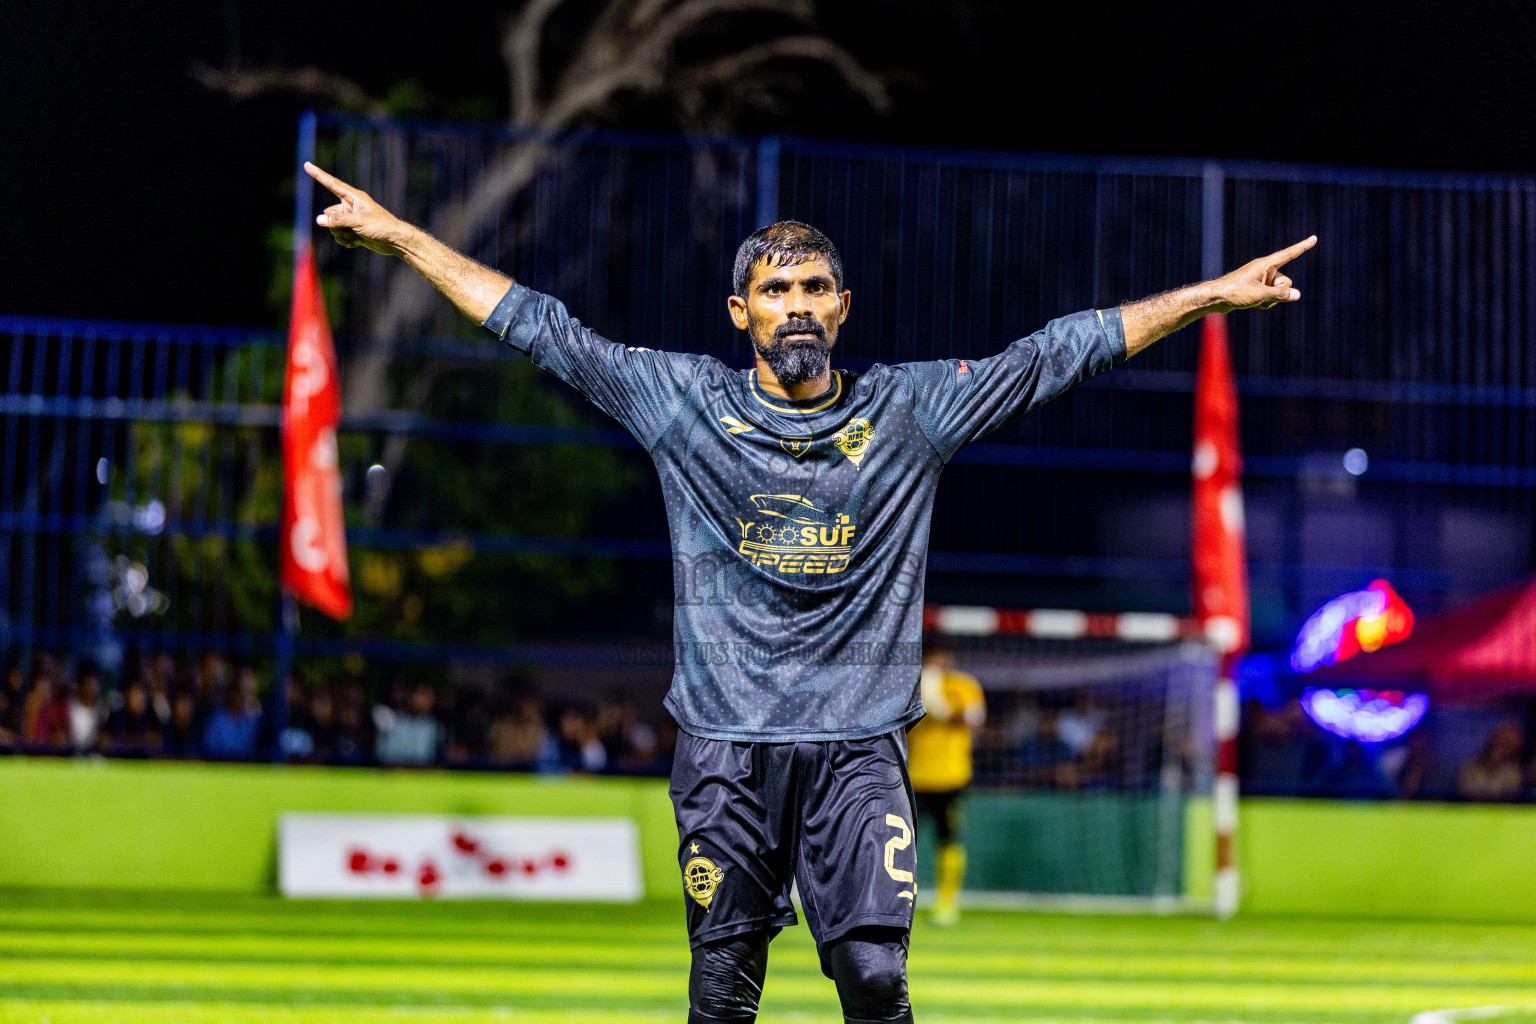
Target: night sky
point(129, 191)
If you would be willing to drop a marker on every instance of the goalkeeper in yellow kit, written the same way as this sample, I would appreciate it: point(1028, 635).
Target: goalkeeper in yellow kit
point(939, 755)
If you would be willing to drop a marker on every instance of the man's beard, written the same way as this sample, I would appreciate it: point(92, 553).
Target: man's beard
point(800, 360)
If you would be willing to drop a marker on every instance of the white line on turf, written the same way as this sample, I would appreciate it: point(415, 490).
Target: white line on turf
point(1468, 1013)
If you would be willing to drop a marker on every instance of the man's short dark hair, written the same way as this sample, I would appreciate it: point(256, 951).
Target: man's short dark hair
point(785, 244)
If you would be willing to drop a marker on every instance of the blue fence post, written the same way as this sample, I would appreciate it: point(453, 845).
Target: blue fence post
point(303, 188)
point(1213, 222)
point(767, 180)
point(287, 610)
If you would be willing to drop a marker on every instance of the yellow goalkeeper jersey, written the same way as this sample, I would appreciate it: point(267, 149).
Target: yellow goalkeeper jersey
point(939, 746)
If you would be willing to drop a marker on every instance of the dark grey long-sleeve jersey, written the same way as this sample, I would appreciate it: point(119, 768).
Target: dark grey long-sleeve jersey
point(800, 528)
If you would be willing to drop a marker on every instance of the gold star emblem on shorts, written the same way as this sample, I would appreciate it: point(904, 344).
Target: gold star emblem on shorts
point(693, 847)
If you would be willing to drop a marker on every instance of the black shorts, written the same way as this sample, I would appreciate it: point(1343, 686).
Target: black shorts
point(836, 817)
point(944, 808)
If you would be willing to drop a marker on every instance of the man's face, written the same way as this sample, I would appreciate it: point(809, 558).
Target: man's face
point(940, 658)
point(422, 700)
point(792, 315)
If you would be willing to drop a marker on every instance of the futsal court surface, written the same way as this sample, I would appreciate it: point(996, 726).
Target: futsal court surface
point(73, 958)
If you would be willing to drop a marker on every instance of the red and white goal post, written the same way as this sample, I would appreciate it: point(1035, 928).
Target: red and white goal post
point(1104, 772)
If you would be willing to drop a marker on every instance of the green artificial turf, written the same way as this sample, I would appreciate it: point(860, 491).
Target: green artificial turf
point(94, 958)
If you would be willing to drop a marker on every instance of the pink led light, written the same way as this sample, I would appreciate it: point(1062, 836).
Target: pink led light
point(1370, 716)
point(1362, 620)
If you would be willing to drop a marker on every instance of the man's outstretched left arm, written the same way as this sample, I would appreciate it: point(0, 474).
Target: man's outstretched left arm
point(1255, 285)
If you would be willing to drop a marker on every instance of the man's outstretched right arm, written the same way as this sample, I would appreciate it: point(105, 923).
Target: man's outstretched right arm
point(357, 219)
point(643, 390)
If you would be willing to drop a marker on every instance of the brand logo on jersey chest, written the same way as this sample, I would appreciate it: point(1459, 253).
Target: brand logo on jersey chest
point(735, 426)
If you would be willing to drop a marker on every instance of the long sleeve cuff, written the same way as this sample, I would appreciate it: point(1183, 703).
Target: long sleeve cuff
point(501, 317)
point(1114, 332)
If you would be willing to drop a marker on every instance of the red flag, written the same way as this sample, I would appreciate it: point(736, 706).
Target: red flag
point(1220, 547)
point(314, 543)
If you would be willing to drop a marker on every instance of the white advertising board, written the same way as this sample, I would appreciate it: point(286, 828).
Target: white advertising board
point(407, 856)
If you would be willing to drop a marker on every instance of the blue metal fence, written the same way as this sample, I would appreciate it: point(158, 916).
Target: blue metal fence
point(141, 455)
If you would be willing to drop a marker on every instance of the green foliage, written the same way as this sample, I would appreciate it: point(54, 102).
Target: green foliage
point(449, 592)
point(203, 473)
point(218, 484)
point(407, 97)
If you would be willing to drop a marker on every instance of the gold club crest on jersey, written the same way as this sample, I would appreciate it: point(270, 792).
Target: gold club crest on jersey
point(853, 440)
point(701, 878)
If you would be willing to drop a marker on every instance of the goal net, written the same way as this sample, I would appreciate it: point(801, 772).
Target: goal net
point(1095, 768)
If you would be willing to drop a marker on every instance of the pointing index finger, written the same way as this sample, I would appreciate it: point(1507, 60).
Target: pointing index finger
point(330, 181)
point(1291, 252)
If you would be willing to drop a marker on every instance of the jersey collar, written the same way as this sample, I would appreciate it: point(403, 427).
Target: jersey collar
point(825, 400)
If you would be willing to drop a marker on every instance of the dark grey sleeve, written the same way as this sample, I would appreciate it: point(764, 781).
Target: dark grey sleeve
point(642, 389)
point(956, 401)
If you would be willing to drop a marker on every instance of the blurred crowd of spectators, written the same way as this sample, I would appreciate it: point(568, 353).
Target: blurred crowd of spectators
point(165, 706)
point(1072, 740)
point(1479, 754)
point(1081, 741)
point(206, 707)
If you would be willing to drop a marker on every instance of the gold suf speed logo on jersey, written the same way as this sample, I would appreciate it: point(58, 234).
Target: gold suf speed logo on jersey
point(853, 440)
point(701, 878)
point(787, 532)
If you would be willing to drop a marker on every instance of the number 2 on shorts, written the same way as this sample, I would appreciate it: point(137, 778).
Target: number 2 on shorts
point(893, 844)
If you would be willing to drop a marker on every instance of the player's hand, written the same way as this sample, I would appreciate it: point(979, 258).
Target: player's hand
point(1261, 283)
point(358, 219)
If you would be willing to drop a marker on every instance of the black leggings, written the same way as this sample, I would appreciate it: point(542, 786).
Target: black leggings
point(869, 966)
point(945, 810)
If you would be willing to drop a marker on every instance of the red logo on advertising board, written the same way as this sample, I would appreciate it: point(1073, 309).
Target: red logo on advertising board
point(471, 852)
